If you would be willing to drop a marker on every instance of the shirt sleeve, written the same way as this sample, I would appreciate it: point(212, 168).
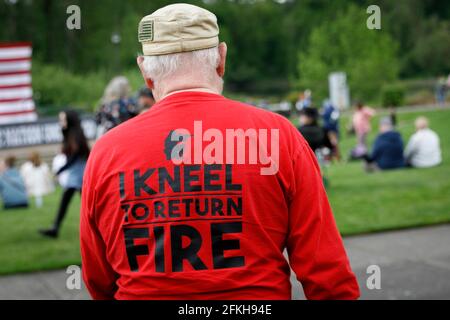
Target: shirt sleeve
point(410, 148)
point(315, 248)
point(376, 149)
point(98, 275)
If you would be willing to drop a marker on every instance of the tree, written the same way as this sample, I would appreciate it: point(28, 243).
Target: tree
point(346, 44)
point(431, 53)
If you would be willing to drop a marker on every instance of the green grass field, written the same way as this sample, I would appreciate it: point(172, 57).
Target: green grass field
point(22, 249)
point(392, 199)
point(361, 203)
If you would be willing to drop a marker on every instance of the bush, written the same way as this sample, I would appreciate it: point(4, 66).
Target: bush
point(292, 97)
point(345, 44)
point(56, 88)
point(393, 96)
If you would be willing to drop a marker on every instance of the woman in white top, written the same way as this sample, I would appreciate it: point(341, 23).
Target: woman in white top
point(423, 149)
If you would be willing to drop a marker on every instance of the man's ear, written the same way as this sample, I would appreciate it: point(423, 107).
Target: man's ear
point(148, 81)
point(223, 58)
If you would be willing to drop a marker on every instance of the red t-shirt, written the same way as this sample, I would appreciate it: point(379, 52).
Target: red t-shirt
point(155, 228)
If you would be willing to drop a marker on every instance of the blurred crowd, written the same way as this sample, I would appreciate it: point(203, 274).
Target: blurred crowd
point(388, 150)
point(319, 126)
point(118, 105)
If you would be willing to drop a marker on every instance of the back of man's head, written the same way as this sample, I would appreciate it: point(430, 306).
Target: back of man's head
point(164, 68)
point(181, 49)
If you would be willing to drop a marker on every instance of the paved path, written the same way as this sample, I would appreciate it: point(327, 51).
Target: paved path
point(415, 264)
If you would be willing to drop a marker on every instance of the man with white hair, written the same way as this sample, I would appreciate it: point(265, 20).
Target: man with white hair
point(190, 200)
point(423, 149)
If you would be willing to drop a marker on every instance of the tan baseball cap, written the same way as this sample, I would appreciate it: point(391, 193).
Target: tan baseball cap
point(176, 28)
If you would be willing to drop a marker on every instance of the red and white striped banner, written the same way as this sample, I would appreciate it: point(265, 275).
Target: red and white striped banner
point(16, 93)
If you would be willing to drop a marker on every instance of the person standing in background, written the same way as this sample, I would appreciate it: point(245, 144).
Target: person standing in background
point(307, 101)
point(330, 118)
point(441, 90)
point(37, 177)
point(361, 125)
point(76, 149)
point(116, 105)
point(315, 135)
point(393, 116)
point(145, 100)
point(304, 100)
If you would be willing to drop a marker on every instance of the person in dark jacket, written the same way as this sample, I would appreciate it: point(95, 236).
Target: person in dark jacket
point(145, 100)
point(330, 116)
point(76, 149)
point(387, 151)
point(314, 134)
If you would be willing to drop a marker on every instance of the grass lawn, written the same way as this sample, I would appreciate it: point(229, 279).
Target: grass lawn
point(392, 199)
point(361, 203)
point(23, 249)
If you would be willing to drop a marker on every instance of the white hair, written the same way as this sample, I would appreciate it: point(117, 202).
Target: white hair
point(421, 123)
point(205, 62)
point(117, 88)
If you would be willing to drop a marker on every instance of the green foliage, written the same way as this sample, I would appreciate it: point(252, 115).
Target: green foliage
point(292, 97)
point(265, 39)
point(55, 86)
point(256, 45)
point(432, 50)
point(368, 57)
point(392, 95)
point(422, 29)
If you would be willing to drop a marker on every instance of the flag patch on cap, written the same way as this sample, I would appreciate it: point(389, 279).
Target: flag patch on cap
point(178, 28)
point(145, 31)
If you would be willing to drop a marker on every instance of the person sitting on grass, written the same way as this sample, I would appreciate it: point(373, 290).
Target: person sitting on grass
point(423, 149)
point(37, 177)
point(387, 152)
point(12, 187)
